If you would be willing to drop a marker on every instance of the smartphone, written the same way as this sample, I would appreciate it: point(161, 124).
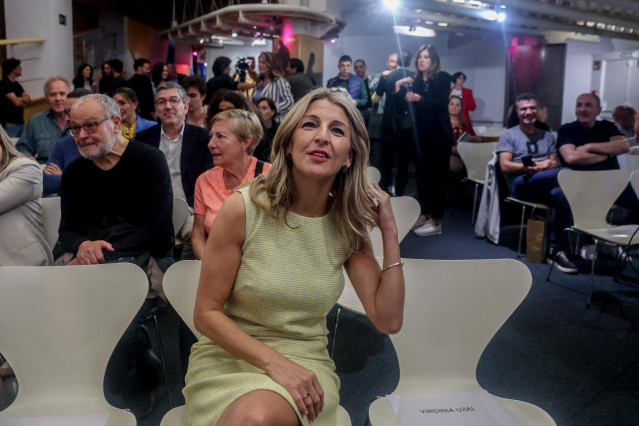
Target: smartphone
point(528, 161)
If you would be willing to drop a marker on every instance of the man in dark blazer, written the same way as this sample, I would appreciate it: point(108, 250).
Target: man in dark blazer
point(185, 148)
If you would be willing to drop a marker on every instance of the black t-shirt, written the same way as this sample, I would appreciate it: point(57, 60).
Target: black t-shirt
point(395, 108)
point(144, 89)
point(576, 134)
point(220, 81)
point(130, 205)
point(9, 113)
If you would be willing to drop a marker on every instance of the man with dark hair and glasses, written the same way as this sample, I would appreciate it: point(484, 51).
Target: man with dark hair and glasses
point(117, 206)
point(185, 148)
point(528, 158)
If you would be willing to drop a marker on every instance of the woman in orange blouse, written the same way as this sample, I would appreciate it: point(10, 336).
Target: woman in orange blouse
point(234, 135)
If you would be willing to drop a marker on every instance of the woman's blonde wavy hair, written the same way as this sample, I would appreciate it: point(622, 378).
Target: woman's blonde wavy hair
point(9, 151)
point(351, 206)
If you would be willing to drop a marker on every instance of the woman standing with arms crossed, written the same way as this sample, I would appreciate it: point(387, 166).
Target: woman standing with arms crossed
point(272, 270)
point(432, 134)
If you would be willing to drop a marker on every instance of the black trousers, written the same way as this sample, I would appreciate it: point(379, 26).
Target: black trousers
point(432, 160)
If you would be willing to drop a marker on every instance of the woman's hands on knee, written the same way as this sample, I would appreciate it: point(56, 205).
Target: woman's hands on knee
point(301, 383)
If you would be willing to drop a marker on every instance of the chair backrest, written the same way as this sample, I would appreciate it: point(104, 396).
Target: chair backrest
point(634, 181)
point(180, 286)
point(591, 194)
point(180, 213)
point(374, 175)
point(406, 211)
point(51, 215)
point(58, 328)
point(629, 162)
point(475, 157)
point(452, 310)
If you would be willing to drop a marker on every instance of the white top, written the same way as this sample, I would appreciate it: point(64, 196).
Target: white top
point(22, 241)
point(172, 150)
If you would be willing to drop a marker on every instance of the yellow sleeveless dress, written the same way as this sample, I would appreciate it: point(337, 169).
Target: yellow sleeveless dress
point(288, 280)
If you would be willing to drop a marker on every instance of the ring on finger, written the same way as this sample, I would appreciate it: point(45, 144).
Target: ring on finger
point(306, 396)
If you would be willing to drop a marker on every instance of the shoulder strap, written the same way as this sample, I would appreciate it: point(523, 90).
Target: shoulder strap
point(258, 168)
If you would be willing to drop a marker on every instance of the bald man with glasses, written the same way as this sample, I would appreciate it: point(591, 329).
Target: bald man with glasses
point(117, 206)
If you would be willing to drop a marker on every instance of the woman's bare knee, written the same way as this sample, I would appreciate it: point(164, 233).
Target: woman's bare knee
point(261, 407)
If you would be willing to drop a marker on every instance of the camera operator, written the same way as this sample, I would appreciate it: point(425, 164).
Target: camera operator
point(245, 73)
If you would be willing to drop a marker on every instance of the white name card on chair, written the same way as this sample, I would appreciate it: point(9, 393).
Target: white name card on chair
point(450, 409)
point(89, 420)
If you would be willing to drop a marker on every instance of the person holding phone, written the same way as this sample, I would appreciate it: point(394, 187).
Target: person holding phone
point(528, 158)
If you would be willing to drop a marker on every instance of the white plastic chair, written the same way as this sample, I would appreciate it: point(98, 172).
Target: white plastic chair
point(180, 213)
point(58, 328)
point(51, 215)
point(590, 195)
point(180, 284)
point(475, 157)
point(628, 162)
point(374, 175)
point(453, 308)
point(406, 211)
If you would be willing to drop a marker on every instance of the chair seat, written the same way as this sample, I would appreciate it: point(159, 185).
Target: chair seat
point(381, 413)
point(617, 234)
point(47, 412)
point(528, 203)
point(175, 417)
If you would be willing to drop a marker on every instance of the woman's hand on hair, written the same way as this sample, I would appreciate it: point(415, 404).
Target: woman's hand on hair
point(299, 382)
point(384, 217)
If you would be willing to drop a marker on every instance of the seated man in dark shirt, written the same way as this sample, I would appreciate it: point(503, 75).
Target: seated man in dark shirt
point(117, 205)
point(590, 144)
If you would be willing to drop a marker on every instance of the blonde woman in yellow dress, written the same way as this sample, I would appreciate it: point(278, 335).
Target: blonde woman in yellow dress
point(132, 123)
point(272, 270)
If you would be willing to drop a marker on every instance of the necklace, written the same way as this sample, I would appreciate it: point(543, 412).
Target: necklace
point(227, 183)
point(128, 133)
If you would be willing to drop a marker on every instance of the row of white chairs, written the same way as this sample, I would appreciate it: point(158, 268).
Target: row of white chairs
point(438, 347)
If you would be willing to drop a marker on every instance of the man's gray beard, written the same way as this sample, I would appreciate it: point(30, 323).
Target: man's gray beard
point(101, 153)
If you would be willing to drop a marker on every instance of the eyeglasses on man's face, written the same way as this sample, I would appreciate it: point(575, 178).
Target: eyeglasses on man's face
point(90, 128)
point(173, 101)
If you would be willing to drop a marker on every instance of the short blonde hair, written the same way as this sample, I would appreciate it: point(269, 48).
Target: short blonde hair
point(352, 207)
point(245, 124)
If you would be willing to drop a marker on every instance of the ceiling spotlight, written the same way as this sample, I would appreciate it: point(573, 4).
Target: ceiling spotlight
point(391, 4)
point(332, 41)
point(490, 15)
point(443, 24)
point(201, 40)
point(501, 17)
point(234, 34)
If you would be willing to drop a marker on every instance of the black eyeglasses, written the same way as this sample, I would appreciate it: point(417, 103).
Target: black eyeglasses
point(90, 128)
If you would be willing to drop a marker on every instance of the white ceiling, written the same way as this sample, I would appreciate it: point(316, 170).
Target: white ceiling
point(553, 18)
